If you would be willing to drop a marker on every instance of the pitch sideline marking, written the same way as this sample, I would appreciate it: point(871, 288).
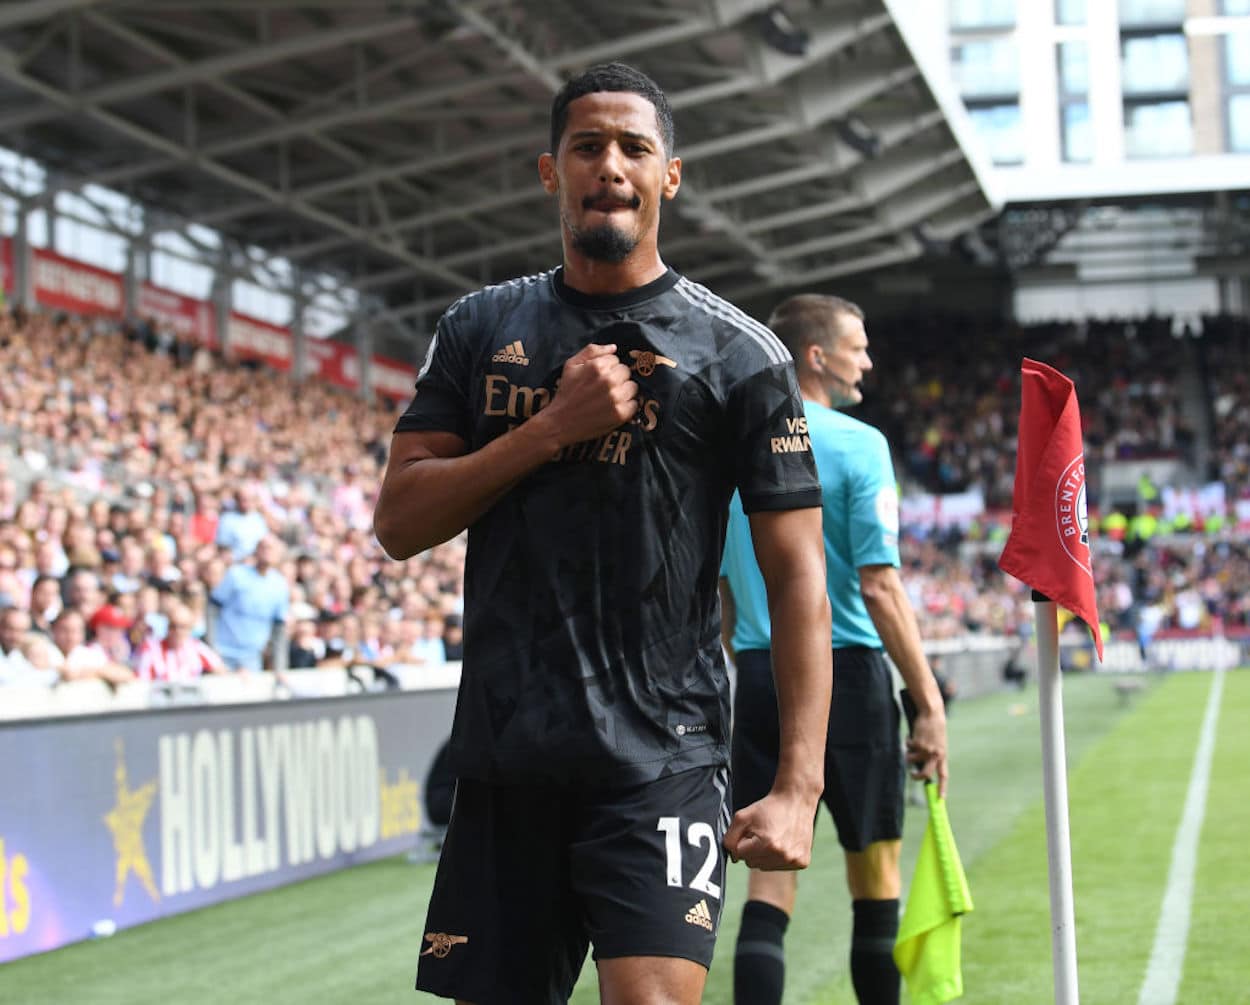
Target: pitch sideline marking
point(1167, 957)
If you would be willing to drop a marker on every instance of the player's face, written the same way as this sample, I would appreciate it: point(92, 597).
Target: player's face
point(847, 362)
point(610, 174)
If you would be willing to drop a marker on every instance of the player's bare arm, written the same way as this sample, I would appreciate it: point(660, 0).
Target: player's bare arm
point(776, 832)
point(433, 489)
point(895, 621)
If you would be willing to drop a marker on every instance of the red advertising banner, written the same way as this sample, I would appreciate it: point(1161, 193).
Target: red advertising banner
point(333, 362)
point(392, 378)
point(339, 364)
point(251, 338)
point(6, 266)
point(194, 320)
point(66, 285)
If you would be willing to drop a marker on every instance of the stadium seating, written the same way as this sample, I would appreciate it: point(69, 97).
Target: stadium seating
point(126, 450)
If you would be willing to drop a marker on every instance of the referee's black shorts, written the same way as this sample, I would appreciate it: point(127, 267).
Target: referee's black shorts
point(865, 776)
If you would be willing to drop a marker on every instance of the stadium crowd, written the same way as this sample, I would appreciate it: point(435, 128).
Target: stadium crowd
point(141, 470)
point(949, 399)
point(951, 393)
point(1226, 362)
point(146, 478)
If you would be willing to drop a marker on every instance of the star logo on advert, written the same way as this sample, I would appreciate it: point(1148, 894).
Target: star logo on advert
point(126, 820)
point(1072, 513)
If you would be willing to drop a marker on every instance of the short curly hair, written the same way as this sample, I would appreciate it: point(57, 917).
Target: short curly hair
point(612, 77)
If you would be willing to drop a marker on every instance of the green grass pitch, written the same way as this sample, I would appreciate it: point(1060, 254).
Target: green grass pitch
point(353, 936)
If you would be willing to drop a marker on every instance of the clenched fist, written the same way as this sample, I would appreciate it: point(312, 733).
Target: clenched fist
point(596, 395)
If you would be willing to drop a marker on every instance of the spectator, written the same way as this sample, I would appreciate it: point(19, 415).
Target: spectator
point(195, 596)
point(45, 603)
point(148, 611)
point(8, 498)
point(129, 577)
point(307, 648)
point(242, 528)
point(43, 656)
point(109, 626)
point(251, 602)
point(160, 566)
point(179, 656)
point(15, 666)
point(50, 558)
point(346, 645)
point(453, 638)
point(12, 590)
point(430, 645)
point(83, 593)
point(349, 502)
point(204, 522)
point(81, 660)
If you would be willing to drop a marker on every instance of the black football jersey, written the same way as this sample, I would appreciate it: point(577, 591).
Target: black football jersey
point(592, 624)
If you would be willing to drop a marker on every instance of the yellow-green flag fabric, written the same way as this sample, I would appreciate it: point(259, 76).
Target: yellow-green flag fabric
point(927, 949)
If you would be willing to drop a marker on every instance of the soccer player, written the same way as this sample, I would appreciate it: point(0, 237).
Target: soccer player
point(864, 783)
point(588, 426)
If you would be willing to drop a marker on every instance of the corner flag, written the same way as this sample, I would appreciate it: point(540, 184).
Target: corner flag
point(1048, 547)
point(1049, 550)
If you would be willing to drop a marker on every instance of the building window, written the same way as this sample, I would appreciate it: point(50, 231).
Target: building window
point(1237, 58)
point(1000, 129)
point(986, 69)
point(1237, 89)
point(1157, 129)
point(1077, 139)
point(1239, 123)
point(1073, 69)
point(1135, 13)
point(1069, 11)
point(974, 14)
point(1155, 64)
point(1075, 131)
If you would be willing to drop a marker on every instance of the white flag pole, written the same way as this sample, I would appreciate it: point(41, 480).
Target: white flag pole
point(1055, 782)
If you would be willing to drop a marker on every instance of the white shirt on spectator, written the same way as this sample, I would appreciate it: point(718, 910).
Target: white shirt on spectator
point(86, 658)
point(16, 669)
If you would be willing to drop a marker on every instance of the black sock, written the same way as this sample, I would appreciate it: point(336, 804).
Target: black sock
point(872, 952)
point(759, 958)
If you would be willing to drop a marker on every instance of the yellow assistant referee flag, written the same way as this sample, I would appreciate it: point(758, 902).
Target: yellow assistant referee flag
point(927, 949)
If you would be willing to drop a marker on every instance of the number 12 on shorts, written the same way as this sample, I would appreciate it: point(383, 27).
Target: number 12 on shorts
point(697, 835)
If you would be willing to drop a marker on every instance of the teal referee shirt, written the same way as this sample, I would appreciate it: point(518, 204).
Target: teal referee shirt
point(859, 503)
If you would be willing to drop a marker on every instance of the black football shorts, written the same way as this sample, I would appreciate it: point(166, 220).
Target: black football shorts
point(864, 771)
point(530, 876)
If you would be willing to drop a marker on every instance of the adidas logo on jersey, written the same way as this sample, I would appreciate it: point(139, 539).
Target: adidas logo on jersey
point(700, 915)
point(513, 352)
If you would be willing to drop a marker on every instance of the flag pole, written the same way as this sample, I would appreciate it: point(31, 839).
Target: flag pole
point(1055, 782)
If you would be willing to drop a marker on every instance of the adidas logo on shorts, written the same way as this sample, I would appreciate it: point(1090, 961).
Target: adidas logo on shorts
point(513, 352)
point(700, 915)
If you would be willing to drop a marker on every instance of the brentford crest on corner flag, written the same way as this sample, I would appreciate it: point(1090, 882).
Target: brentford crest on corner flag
point(1048, 547)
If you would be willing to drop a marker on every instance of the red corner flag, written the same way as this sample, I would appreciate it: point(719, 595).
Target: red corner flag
point(1048, 547)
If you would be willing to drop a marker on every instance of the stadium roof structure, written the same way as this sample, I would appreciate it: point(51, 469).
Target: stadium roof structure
point(395, 143)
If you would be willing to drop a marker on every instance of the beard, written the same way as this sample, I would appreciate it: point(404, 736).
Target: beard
point(604, 244)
